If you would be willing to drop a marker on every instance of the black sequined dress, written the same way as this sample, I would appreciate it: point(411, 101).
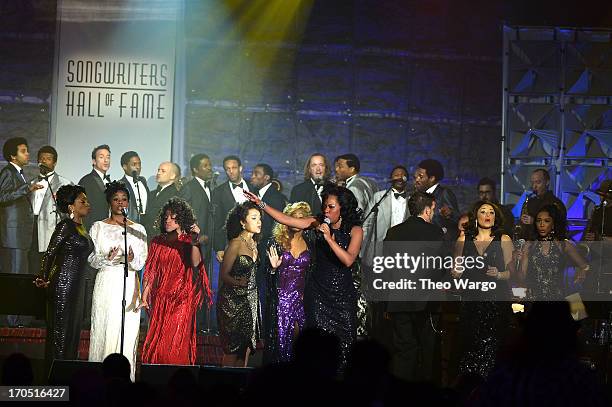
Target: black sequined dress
point(64, 265)
point(238, 309)
point(330, 297)
point(484, 316)
point(545, 273)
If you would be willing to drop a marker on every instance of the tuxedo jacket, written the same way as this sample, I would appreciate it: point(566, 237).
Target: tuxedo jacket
point(133, 205)
point(49, 216)
point(306, 192)
point(276, 200)
point(94, 188)
point(444, 196)
point(383, 224)
point(155, 205)
point(425, 238)
point(363, 188)
point(16, 217)
point(222, 202)
point(195, 195)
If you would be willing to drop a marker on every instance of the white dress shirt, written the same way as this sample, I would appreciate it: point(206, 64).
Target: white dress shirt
point(432, 188)
point(398, 208)
point(204, 187)
point(39, 194)
point(318, 188)
point(263, 190)
point(19, 170)
point(237, 192)
point(101, 175)
point(143, 192)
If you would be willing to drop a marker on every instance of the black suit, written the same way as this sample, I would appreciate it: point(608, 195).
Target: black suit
point(223, 202)
point(155, 205)
point(306, 192)
point(276, 200)
point(133, 212)
point(94, 189)
point(16, 221)
point(445, 197)
point(413, 338)
point(196, 196)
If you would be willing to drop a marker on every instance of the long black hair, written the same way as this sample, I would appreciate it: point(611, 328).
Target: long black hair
point(184, 215)
point(559, 221)
point(351, 214)
point(239, 213)
point(472, 228)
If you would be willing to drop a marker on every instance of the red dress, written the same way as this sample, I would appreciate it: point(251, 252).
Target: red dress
point(175, 298)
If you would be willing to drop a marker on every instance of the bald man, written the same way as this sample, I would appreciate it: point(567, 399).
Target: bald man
point(167, 174)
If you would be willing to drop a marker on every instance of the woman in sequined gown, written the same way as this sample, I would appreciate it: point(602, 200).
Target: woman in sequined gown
point(63, 273)
point(330, 297)
point(545, 260)
point(108, 258)
point(484, 315)
point(238, 314)
point(287, 263)
point(172, 291)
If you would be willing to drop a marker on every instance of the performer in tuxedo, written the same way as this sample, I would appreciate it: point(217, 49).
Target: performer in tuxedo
point(224, 198)
point(413, 336)
point(16, 218)
point(44, 206)
point(392, 211)
point(427, 178)
point(198, 193)
point(95, 184)
point(487, 192)
point(166, 177)
point(347, 173)
point(540, 197)
point(136, 185)
point(317, 172)
point(260, 179)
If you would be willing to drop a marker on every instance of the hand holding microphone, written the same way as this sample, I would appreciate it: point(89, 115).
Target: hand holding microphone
point(325, 229)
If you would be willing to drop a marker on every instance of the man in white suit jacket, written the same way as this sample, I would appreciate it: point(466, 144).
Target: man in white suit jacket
point(392, 211)
point(45, 211)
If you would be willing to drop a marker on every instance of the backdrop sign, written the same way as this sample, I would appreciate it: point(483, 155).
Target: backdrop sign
point(114, 85)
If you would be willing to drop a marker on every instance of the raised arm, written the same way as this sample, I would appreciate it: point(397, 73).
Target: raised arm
point(348, 256)
point(280, 217)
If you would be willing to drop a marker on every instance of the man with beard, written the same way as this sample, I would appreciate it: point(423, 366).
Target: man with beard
point(316, 173)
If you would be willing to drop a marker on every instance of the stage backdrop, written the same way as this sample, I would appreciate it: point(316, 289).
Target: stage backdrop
point(113, 83)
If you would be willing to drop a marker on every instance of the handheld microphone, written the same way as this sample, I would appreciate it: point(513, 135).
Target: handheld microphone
point(43, 168)
point(327, 220)
point(124, 212)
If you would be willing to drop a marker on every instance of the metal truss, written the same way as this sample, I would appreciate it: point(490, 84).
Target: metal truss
point(557, 113)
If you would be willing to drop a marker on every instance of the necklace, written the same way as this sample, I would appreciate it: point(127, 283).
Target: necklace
point(252, 247)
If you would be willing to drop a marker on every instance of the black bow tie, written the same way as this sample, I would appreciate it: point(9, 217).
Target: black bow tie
point(45, 177)
point(207, 184)
point(234, 186)
point(107, 178)
point(397, 195)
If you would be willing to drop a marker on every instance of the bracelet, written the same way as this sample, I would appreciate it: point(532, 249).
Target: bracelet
point(262, 205)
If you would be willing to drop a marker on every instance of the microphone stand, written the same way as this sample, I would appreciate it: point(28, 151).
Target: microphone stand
point(139, 200)
point(210, 246)
point(125, 276)
point(46, 178)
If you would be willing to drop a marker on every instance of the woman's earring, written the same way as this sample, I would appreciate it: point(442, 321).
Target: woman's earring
point(476, 223)
point(71, 213)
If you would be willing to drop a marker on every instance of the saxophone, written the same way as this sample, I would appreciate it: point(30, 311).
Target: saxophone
point(519, 227)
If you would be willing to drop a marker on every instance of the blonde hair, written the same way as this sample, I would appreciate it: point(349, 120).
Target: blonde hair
point(281, 232)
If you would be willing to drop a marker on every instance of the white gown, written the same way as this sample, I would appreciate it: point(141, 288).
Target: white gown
point(105, 334)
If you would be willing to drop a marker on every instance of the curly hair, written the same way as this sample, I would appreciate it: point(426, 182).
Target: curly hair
point(184, 215)
point(239, 213)
point(66, 195)
point(559, 221)
point(113, 187)
point(472, 229)
point(351, 214)
point(280, 231)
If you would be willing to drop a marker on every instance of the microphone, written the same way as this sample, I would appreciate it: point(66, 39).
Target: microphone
point(43, 168)
point(327, 220)
point(403, 179)
point(124, 212)
point(519, 245)
point(215, 175)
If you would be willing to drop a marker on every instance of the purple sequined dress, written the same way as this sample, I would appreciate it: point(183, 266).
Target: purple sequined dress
point(290, 308)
